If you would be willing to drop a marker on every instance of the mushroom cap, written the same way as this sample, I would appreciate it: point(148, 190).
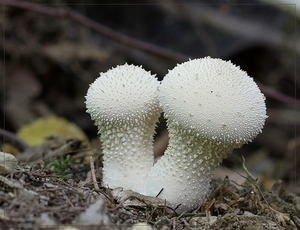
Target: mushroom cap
point(124, 94)
point(214, 99)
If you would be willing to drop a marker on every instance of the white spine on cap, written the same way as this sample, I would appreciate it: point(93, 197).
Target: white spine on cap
point(124, 105)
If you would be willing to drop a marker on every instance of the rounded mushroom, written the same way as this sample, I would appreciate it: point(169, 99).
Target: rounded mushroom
point(211, 107)
point(124, 105)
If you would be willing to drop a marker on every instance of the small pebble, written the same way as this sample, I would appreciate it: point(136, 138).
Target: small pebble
point(141, 226)
point(8, 163)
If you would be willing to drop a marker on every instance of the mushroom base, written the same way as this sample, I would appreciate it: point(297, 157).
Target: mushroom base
point(185, 171)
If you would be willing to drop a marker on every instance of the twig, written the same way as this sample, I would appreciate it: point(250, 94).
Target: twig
point(209, 205)
point(96, 187)
point(249, 177)
point(295, 220)
point(272, 93)
point(252, 180)
point(105, 31)
point(68, 200)
point(13, 139)
point(144, 46)
point(9, 183)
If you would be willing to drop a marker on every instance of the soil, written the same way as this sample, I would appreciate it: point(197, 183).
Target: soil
point(36, 196)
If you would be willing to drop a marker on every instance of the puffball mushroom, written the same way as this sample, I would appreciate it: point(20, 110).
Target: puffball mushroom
point(123, 104)
point(211, 107)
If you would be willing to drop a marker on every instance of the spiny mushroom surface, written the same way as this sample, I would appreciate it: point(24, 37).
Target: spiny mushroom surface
point(124, 105)
point(211, 107)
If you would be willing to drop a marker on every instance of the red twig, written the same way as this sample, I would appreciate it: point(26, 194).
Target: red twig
point(105, 31)
point(12, 139)
point(144, 46)
point(272, 93)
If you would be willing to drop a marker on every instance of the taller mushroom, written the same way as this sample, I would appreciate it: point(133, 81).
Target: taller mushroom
point(211, 107)
point(124, 105)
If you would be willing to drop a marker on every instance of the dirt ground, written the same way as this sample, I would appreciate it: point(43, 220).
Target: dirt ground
point(37, 197)
point(53, 50)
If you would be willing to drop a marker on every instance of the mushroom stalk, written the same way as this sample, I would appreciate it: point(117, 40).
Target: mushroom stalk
point(185, 178)
point(124, 105)
point(211, 107)
point(127, 155)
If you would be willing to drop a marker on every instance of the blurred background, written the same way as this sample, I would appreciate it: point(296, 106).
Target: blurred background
point(51, 53)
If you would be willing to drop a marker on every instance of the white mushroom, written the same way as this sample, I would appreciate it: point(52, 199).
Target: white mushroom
point(124, 105)
point(211, 107)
